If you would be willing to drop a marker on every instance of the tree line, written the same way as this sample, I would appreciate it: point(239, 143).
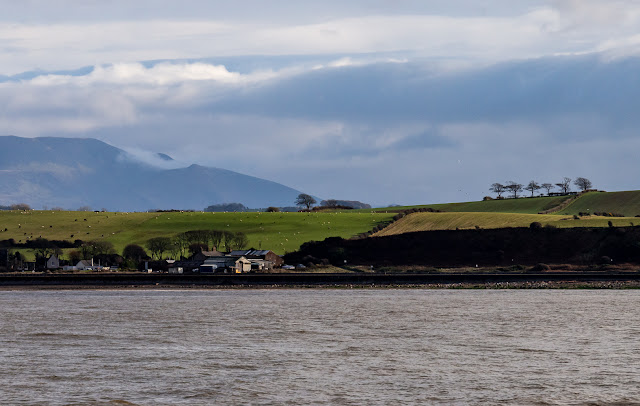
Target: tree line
point(179, 246)
point(195, 241)
point(515, 188)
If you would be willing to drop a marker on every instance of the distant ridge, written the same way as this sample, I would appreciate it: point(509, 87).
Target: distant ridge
point(76, 172)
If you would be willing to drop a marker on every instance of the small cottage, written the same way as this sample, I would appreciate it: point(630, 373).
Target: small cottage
point(53, 262)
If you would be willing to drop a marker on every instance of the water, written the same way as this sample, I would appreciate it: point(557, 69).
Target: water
point(302, 347)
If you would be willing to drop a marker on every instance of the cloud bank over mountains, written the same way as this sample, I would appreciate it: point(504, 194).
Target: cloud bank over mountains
point(406, 104)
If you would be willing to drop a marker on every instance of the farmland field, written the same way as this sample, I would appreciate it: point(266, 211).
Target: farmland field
point(627, 203)
point(280, 232)
point(284, 232)
point(451, 221)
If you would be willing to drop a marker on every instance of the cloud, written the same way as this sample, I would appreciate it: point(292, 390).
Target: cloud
point(434, 30)
point(351, 127)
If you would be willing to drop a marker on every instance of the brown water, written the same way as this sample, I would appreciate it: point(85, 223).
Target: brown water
point(301, 347)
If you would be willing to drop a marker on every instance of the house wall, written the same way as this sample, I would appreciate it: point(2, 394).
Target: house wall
point(53, 263)
point(275, 258)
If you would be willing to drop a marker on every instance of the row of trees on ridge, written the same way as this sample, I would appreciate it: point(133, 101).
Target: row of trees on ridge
point(515, 188)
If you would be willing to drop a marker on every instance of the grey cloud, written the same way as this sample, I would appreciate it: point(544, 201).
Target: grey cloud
point(383, 133)
point(530, 89)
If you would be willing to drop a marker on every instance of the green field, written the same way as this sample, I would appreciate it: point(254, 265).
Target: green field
point(452, 221)
point(627, 203)
point(525, 205)
point(285, 232)
point(280, 232)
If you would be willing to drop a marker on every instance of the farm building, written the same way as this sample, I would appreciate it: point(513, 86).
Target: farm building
point(226, 264)
point(266, 255)
point(203, 255)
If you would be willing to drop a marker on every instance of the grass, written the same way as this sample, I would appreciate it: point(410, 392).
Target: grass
point(451, 221)
point(525, 206)
point(627, 203)
point(285, 232)
point(280, 232)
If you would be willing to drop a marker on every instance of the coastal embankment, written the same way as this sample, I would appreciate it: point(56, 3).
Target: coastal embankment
point(140, 280)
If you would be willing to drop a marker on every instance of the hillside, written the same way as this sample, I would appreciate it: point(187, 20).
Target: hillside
point(452, 221)
point(504, 247)
point(280, 232)
point(627, 203)
point(524, 205)
point(73, 172)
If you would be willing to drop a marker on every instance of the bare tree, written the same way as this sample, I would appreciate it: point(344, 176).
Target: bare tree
point(158, 245)
point(227, 240)
point(514, 188)
point(94, 248)
point(329, 203)
point(182, 241)
point(582, 183)
point(21, 206)
point(498, 188)
point(216, 237)
point(304, 199)
point(565, 185)
point(532, 187)
point(42, 247)
point(175, 249)
point(238, 241)
point(547, 187)
point(197, 236)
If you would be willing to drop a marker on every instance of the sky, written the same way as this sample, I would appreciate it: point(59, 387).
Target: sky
point(381, 101)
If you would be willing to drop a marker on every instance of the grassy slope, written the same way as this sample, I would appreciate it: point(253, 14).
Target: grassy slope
point(627, 203)
point(451, 221)
point(277, 231)
point(284, 232)
point(525, 206)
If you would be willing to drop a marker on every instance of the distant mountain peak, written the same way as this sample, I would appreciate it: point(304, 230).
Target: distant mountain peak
point(75, 172)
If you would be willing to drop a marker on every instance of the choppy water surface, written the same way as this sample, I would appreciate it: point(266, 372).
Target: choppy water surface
point(319, 347)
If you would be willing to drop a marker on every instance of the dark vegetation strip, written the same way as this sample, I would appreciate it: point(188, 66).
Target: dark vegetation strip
point(483, 247)
point(159, 280)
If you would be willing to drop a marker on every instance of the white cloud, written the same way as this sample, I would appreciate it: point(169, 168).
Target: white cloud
point(353, 127)
point(162, 74)
point(557, 27)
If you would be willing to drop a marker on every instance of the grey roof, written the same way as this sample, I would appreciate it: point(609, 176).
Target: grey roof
point(253, 253)
point(239, 252)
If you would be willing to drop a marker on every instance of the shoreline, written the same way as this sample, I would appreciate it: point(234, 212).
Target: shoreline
point(577, 280)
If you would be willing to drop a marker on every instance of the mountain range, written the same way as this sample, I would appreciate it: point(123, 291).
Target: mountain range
point(70, 173)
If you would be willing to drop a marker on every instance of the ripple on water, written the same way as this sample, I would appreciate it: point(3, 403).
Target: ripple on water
point(319, 347)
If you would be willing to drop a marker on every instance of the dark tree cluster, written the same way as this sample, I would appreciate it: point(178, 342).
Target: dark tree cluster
point(351, 204)
point(487, 247)
point(18, 206)
point(229, 207)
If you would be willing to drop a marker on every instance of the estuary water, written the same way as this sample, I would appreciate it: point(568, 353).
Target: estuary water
point(320, 346)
